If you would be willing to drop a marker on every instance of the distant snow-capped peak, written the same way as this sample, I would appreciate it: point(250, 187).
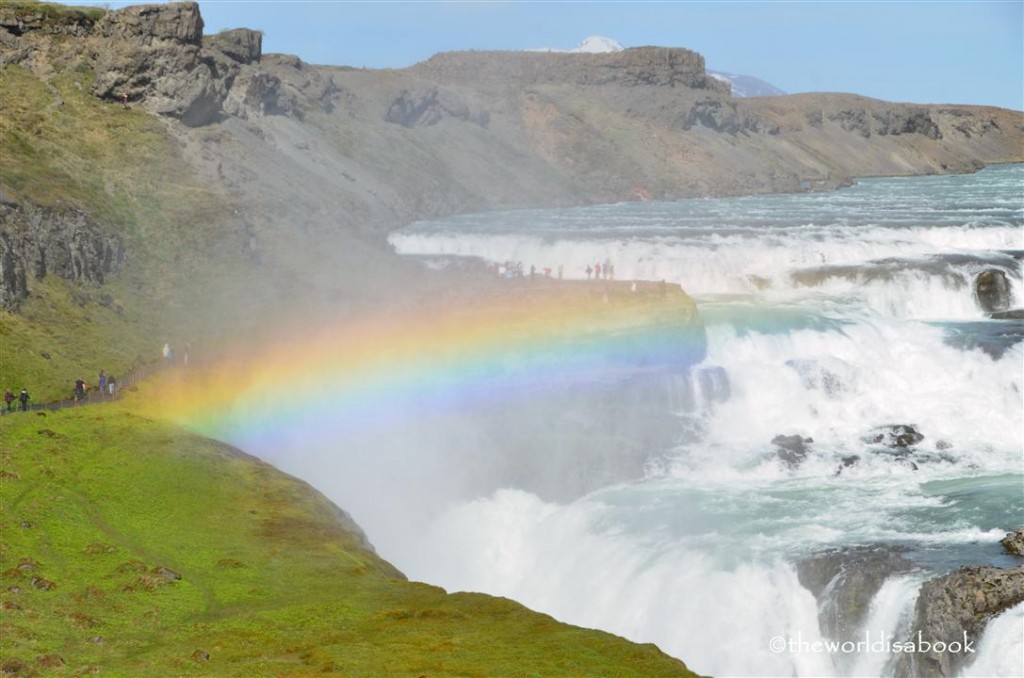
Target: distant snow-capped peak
point(597, 44)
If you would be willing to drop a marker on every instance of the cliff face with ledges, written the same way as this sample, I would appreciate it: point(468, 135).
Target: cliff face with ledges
point(37, 242)
point(639, 66)
point(342, 156)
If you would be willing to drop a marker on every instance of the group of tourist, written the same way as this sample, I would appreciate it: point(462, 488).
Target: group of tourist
point(106, 387)
point(514, 269)
point(168, 354)
point(23, 398)
point(606, 272)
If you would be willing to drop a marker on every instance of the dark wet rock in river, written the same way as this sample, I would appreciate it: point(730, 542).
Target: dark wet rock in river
point(992, 290)
point(848, 462)
point(1014, 542)
point(894, 436)
point(845, 580)
point(792, 449)
point(953, 610)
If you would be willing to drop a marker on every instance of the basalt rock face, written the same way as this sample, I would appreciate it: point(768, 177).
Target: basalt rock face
point(152, 55)
point(640, 66)
point(954, 609)
point(845, 580)
point(159, 58)
point(429, 106)
point(39, 242)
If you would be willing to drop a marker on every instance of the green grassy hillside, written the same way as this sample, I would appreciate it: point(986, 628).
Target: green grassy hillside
point(103, 509)
point(63, 149)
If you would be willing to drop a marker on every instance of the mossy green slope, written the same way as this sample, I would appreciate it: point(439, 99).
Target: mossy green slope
point(95, 501)
point(63, 149)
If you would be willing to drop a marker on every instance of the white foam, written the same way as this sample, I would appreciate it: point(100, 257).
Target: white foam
point(1001, 649)
point(771, 263)
point(557, 560)
point(888, 618)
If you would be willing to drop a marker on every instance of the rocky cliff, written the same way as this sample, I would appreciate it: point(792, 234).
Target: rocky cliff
point(639, 66)
point(36, 242)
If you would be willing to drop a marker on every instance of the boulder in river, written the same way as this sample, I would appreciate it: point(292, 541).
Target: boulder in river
point(792, 450)
point(1014, 542)
point(992, 290)
point(895, 436)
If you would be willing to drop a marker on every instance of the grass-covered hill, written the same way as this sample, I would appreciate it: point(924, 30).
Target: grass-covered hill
point(64, 151)
point(131, 548)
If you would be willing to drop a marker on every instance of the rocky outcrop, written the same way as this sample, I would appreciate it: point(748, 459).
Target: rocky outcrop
point(178, 23)
point(845, 580)
point(914, 120)
point(151, 55)
point(992, 290)
point(894, 436)
point(156, 58)
point(722, 115)
point(792, 450)
point(17, 20)
point(891, 121)
point(241, 45)
point(1013, 542)
point(636, 67)
point(952, 611)
point(39, 242)
point(429, 106)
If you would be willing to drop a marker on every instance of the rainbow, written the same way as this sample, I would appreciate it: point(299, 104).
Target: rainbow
point(484, 351)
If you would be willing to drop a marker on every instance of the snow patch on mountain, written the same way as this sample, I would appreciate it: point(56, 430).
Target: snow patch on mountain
point(595, 44)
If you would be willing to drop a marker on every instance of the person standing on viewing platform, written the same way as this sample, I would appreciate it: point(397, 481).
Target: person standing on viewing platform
point(103, 383)
point(112, 386)
point(24, 398)
point(168, 354)
point(9, 399)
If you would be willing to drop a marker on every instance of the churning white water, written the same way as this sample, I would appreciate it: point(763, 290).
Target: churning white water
point(828, 315)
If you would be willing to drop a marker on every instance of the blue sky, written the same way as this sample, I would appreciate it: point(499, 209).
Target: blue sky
point(925, 52)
